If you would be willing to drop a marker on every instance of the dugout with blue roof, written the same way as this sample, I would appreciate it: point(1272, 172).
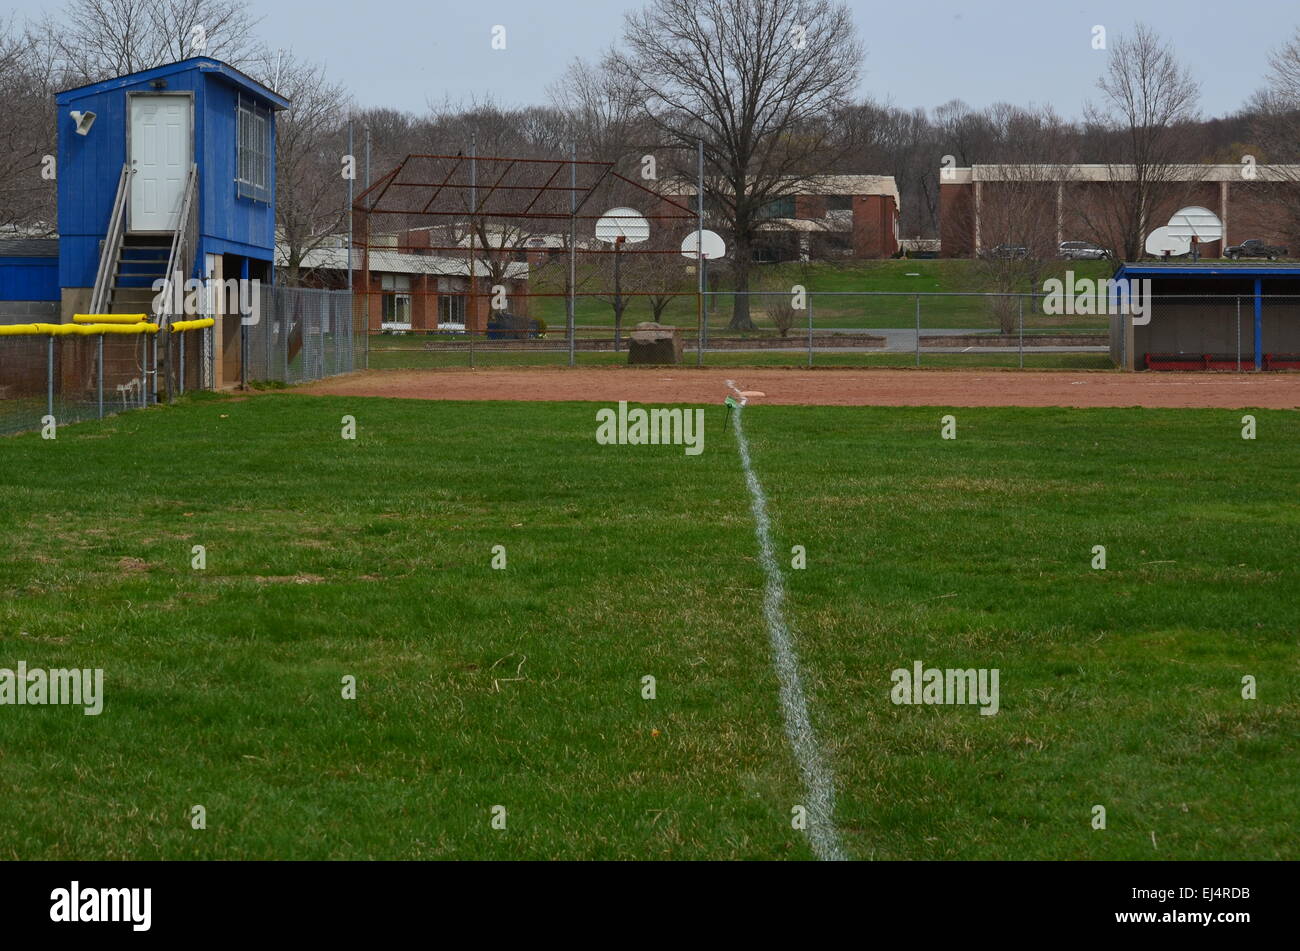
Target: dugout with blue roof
point(1212, 316)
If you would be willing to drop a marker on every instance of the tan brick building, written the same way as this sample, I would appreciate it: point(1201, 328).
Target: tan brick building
point(1077, 203)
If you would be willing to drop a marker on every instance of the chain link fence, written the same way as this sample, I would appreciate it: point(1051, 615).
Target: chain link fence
point(810, 328)
point(819, 328)
point(302, 334)
point(73, 378)
point(298, 335)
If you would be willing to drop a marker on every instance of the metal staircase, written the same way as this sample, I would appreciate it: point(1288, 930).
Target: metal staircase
point(130, 264)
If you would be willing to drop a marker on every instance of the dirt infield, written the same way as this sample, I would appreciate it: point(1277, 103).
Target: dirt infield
point(830, 387)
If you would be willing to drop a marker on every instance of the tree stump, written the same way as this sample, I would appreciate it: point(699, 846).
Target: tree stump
point(654, 343)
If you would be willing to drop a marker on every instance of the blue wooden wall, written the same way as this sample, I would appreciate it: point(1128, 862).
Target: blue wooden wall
point(90, 165)
point(26, 278)
point(230, 224)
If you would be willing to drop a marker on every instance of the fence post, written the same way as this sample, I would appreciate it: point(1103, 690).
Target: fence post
point(810, 331)
point(99, 376)
point(180, 365)
point(1020, 320)
point(918, 330)
point(571, 302)
point(701, 316)
point(49, 376)
point(284, 340)
point(1238, 334)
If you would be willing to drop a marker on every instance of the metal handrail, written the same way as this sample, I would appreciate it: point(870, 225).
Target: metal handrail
point(181, 258)
point(99, 297)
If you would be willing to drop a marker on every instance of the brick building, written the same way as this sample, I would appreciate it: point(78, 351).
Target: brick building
point(850, 216)
point(415, 290)
point(978, 205)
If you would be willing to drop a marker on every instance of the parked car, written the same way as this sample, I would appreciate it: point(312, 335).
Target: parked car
point(507, 326)
point(1254, 248)
point(1082, 251)
point(1008, 252)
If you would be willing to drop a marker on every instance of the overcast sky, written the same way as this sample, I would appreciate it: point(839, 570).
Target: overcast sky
point(406, 53)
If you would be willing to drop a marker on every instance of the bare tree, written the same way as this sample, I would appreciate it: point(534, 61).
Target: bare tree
point(1148, 99)
point(485, 129)
point(98, 39)
point(310, 142)
point(902, 143)
point(759, 82)
point(1275, 124)
point(778, 302)
point(27, 132)
point(603, 120)
point(965, 134)
point(1020, 216)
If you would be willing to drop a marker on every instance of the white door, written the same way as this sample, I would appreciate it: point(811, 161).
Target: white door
point(161, 153)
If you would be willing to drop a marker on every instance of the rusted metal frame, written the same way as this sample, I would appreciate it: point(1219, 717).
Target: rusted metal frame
point(531, 214)
point(440, 187)
point(689, 212)
point(546, 188)
point(385, 181)
point(604, 293)
point(531, 161)
point(501, 188)
point(478, 209)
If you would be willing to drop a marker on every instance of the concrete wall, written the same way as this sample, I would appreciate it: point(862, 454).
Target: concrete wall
point(29, 312)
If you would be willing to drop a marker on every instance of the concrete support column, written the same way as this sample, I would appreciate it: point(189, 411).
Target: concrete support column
point(1259, 324)
point(1223, 215)
point(1060, 213)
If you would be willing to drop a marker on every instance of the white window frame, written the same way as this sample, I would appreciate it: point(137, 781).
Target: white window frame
point(252, 150)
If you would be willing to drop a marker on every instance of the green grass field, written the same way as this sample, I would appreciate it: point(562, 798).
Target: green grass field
point(383, 357)
point(826, 282)
point(522, 687)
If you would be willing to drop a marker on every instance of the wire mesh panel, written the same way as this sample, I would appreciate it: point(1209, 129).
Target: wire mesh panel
point(1219, 332)
point(24, 375)
point(474, 260)
point(128, 363)
point(76, 380)
point(302, 334)
point(75, 377)
point(1280, 333)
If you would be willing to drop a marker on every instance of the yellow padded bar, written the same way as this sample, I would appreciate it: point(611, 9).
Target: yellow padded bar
point(109, 318)
point(182, 325)
point(80, 330)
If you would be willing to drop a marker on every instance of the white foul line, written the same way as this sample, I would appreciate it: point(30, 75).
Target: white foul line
point(818, 782)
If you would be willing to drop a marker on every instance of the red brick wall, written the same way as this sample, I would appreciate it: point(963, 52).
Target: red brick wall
point(875, 219)
point(424, 305)
point(956, 220)
point(810, 206)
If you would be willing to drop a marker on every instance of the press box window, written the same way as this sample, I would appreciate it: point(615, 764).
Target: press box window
point(253, 159)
